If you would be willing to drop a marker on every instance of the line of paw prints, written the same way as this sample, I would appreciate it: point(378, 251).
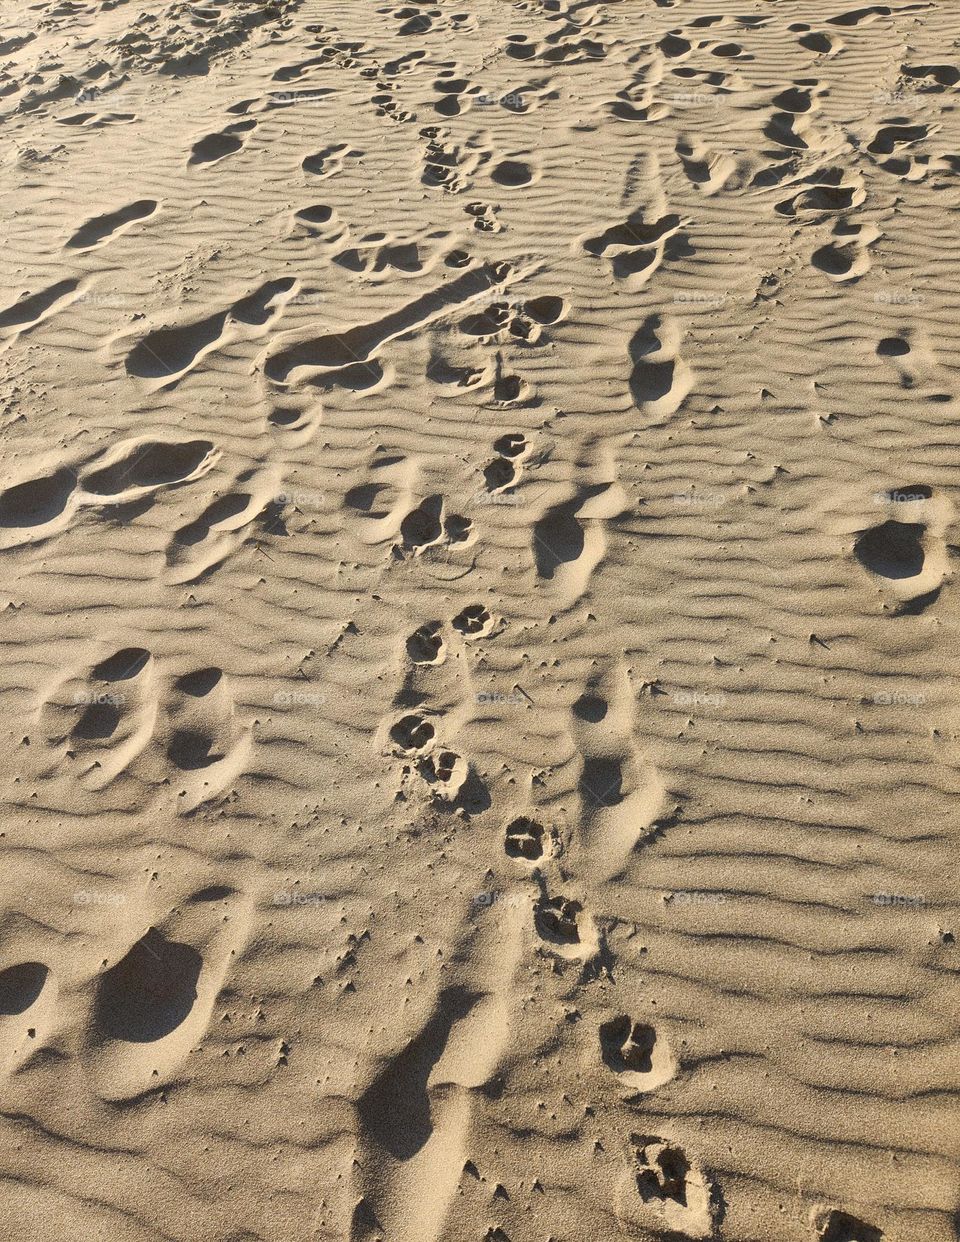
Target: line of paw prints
point(444, 772)
point(503, 471)
point(427, 645)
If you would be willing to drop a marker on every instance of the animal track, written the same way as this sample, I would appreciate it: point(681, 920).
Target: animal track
point(505, 469)
point(381, 256)
point(43, 506)
point(429, 525)
point(413, 735)
point(329, 161)
point(828, 195)
point(892, 550)
point(222, 526)
point(446, 773)
point(150, 991)
point(143, 464)
point(122, 720)
point(102, 722)
point(509, 320)
point(426, 646)
point(847, 258)
point(20, 987)
point(569, 539)
point(909, 558)
point(484, 217)
point(512, 173)
point(101, 229)
point(27, 1000)
point(448, 166)
point(315, 356)
point(837, 1226)
point(660, 380)
point(634, 248)
point(558, 48)
point(636, 1053)
point(215, 147)
point(558, 920)
point(666, 1191)
point(474, 621)
point(524, 838)
point(33, 308)
point(155, 1001)
point(168, 354)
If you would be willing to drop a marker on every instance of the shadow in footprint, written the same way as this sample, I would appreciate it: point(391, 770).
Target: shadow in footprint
point(590, 707)
point(148, 993)
point(149, 465)
point(34, 306)
point(101, 227)
point(893, 550)
point(38, 501)
point(20, 986)
point(200, 683)
point(98, 721)
point(122, 665)
point(395, 1108)
point(557, 538)
point(626, 1045)
point(842, 1227)
point(190, 750)
point(601, 783)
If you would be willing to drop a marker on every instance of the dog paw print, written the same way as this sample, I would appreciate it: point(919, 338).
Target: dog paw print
point(636, 1053)
point(664, 1190)
point(474, 621)
point(425, 645)
point(429, 525)
point(413, 735)
point(524, 838)
point(505, 469)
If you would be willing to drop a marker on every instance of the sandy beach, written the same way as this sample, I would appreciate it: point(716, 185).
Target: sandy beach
point(478, 699)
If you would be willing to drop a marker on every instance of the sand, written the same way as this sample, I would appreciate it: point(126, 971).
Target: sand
point(478, 505)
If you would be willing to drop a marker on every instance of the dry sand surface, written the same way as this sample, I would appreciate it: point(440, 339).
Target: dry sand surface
point(478, 510)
